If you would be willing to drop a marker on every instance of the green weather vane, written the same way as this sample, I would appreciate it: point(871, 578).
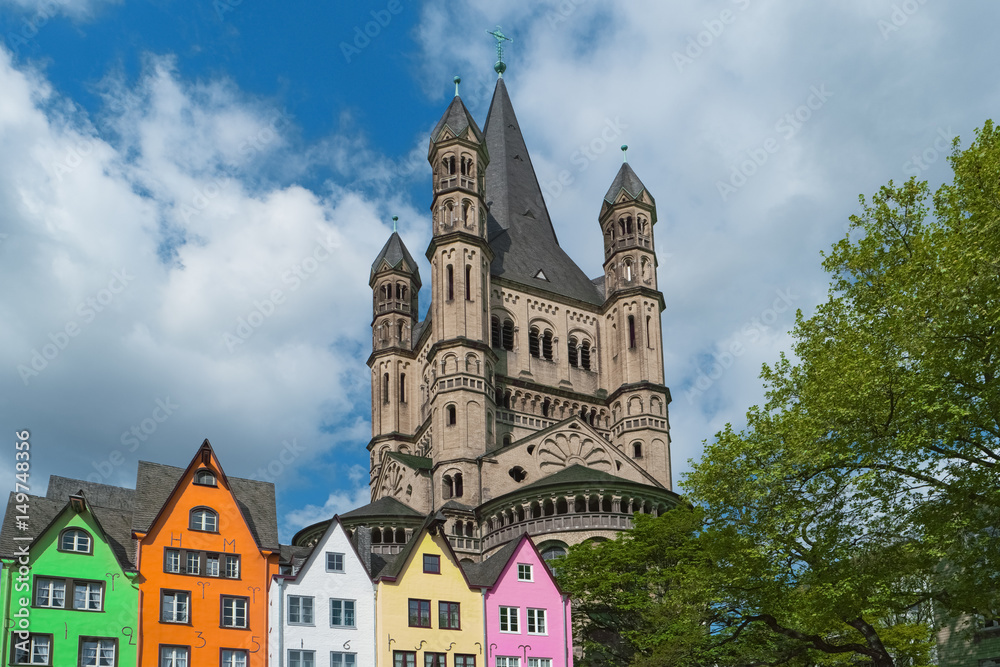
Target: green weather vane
point(501, 66)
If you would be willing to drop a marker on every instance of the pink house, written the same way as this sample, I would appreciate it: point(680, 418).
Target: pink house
point(528, 620)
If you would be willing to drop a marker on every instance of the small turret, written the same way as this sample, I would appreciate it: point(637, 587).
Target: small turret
point(395, 282)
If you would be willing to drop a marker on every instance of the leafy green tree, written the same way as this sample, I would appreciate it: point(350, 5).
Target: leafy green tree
point(867, 487)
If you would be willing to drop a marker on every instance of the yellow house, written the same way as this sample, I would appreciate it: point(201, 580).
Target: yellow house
point(427, 613)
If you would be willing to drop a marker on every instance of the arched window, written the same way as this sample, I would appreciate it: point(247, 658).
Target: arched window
point(628, 224)
point(451, 164)
point(465, 211)
point(450, 272)
point(76, 540)
point(376, 536)
point(459, 490)
point(384, 292)
point(506, 439)
point(649, 343)
point(533, 342)
point(496, 334)
point(400, 536)
point(546, 405)
point(552, 550)
point(387, 535)
point(385, 388)
point(204, 519)
point(508, 335)
point(637, 450)
point(621, 226)
point(627, 270)
point(631, 332)
point(205, 477)
point(402, 387)
point(571, 350)
point(447, 487)
point(585, 355)
point(470, 529)
point(399, 331)
point(547, 345)
point(468, 282)
point(452, 415)
point(506, 399)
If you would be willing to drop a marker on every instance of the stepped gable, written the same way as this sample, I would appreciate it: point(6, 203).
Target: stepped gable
point(520, 231)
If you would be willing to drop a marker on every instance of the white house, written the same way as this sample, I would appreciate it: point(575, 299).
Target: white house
point(323, 615)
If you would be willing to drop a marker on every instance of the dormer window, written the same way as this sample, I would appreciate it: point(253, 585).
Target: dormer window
point(205, 478)
point(204, 519)
point(75, 540)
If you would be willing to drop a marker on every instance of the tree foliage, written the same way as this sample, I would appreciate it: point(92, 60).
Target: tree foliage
point(860, 503)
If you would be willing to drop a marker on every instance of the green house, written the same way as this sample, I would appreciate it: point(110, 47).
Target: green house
point(68, 589)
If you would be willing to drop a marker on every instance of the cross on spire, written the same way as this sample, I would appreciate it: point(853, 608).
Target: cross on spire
point(501, 66)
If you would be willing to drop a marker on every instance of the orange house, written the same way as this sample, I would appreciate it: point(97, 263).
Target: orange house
point(207, 548)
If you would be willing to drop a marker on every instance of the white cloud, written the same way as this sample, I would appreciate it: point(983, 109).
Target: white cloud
point(337, 503)
point(37, 12)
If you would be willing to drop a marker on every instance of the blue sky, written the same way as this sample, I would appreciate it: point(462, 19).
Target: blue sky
point(171, 171)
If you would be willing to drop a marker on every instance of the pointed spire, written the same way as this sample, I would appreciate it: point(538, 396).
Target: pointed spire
point(395, 255)
point(457, 119)
point(520, 231)
point(625, 181)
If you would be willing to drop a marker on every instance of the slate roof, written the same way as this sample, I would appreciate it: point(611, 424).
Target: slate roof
point(117, 525)
point(415, 462)
point(625, 180)
point(455, 505)
point(102, 495)
point(385, 506)
point(520, 231)
point(577, 473)
point(155, 482)
point(485, 574)
point(457, 118)
point(394, 252)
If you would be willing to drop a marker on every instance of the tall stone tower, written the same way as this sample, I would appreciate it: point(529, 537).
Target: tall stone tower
point(530, 397)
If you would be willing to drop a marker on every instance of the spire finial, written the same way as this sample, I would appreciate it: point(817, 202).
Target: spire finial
point(457, 80)
point(501, 66)
point(396, 217)
point(624, 153)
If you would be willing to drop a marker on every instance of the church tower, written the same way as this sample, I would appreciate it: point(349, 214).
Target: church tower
point(459, 362)
point(395, 282)
point(632, 321)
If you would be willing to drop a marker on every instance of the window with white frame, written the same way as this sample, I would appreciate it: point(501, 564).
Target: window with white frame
point(204, 519)
point(536, 622)
point(175, 606)
point(50, 593)
point(301, 658)
point(300, 610)
point(509, 619)
point(340, 659)
point(173, 656)
point(539, 662)
point(172, 561)
point(342, 613)
point(97, 651)
point(193, 565)
point(88, 595)
point(524, 572)
point(508, 661)
point(75, 540)
point(205, 477)
point(212, 565)
point(234, 658)
point(232, 566)
point(234, 612)
point(334, 562)
point(35, 650)
point(465, 660)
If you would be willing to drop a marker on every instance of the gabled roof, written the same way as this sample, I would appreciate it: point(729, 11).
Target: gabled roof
point(385, 506)
point(486, 573)
point(156, 483)
point(101, 495)
point(115, 524)
point(520, 231)
point(625, 181)
point(314, 552)
point(397, 257)
point(457, 118)
point(411, 461)
point(394, 567)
